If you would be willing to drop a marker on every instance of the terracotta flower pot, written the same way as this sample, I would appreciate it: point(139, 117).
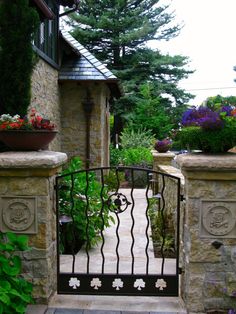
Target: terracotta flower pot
point(26, 140)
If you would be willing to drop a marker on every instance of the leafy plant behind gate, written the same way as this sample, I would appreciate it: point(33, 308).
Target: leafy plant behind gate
point(81, 199)
point(15, 291)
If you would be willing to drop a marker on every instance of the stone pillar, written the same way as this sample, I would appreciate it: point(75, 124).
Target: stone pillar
point(209, 278)
point(27, 206)
point(164, 159)
point(160, 159)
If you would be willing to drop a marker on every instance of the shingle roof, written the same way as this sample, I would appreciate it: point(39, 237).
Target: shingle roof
point(83, 66)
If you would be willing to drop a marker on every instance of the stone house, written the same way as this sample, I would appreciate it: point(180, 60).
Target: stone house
point(73, 89)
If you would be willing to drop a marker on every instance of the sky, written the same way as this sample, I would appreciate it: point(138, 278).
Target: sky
point(208, 38)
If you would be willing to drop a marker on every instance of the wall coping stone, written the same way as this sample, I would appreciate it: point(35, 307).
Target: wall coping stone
point(208, 166)
point(33, 159)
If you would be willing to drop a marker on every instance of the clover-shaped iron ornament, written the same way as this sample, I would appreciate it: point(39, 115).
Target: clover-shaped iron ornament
point(161, 284)
point(96, 283)
point(74, 282)
point(139, 284)
point(118, 283)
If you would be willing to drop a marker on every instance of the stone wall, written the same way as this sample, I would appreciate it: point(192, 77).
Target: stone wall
point(45, 96)
point(62, 104)
point(74, 123)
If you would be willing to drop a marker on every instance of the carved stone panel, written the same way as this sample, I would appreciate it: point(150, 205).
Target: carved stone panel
point(218, 219)
point(18, 214)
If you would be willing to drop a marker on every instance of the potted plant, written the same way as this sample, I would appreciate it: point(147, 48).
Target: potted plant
point(209, 130)
point(162, 146)
point(31, 133)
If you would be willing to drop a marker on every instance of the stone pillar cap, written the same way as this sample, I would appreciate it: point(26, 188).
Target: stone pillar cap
point(167, 154)
point(33, 159)
point(207, 162)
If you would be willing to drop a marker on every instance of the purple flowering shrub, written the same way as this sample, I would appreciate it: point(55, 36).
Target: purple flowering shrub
point(212, 131)
point(203, 117)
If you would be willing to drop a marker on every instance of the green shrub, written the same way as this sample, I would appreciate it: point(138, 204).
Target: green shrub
point(139, 156)
point(113, 180)
point(214, 141)
point(73, 204)
point(115, 156)
point(15, 291)
point(139, 138)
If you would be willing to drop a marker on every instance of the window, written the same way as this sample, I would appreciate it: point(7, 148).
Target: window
point(46, 37)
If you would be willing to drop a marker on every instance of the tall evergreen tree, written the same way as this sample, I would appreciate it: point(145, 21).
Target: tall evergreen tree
point(117, 32)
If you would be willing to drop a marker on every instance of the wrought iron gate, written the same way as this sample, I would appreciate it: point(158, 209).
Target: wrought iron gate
point(122, 209)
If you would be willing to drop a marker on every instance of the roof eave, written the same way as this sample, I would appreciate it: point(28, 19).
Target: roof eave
point(113, 84)
point(44, 9)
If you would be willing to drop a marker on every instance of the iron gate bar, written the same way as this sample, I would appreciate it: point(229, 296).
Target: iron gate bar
point(87, 223)
point(163, 221)
point(101, 215)
point(146, 213)
point(133, 223)
point(72, 217)
point(161, 280)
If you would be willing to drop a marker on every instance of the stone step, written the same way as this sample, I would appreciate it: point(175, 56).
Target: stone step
point(116, 304)
point(84, 304)
point(69, 311)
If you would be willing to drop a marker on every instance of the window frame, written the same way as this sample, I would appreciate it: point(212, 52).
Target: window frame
point(46, 38)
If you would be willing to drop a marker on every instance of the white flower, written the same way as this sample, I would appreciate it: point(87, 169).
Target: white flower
point(8, 117)
point(117, 283)
point(161, 284)
point(139, 284)
point(96, 283)
point(74, 282)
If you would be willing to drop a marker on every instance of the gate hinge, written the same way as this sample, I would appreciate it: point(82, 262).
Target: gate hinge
point(182, 198)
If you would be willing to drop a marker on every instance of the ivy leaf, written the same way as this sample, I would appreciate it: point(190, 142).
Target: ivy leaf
point(20, 308)
point(5, 286)
point(9, 247)
point(21, 241)
point(13, 268)
point(11, 236)
point(4, 298)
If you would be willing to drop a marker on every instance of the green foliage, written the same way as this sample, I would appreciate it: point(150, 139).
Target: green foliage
point(216, 102)
point(15, 291)
point(212, 141)
point(163, 232)
point(115, 156)
point(132, 157)
point(113, 179)
point(139, 156)
point(131, 138)
point(18, 22)
point(154, 113)
point(84, 211)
